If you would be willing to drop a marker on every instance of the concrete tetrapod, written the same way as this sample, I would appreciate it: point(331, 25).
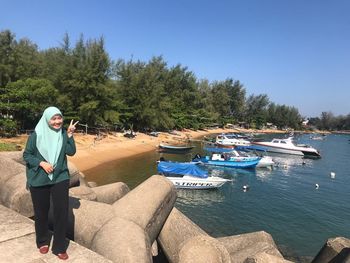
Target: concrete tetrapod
point(107, 194)
point(110, 193)
point(335, 250)
point(13, 192)
point(203, 248)
point(139, 217)
point(85, 219)
point(183, 241)
point(148, 205)
point(245, 246)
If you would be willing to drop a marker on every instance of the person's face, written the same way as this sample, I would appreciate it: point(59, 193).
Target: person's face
point(56, 122)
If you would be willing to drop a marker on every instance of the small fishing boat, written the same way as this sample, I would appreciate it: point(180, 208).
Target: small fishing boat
point(229, 158)
point(189, 176)
point(154, 134)
point(317, 138)
point(288, 147)
point(176, 147)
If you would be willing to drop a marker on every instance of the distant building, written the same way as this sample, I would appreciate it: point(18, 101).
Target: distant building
point(243, 124)
point(229, 126)
point(305, 122)
point(270, 125)
point(213, 126)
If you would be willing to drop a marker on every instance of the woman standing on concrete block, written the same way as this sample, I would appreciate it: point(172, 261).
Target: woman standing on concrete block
point(48, 177)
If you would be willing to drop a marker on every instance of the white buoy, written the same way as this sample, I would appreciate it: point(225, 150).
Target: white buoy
point(285, 166)
point(317, 186)
point(332, 175)
point(245, 187)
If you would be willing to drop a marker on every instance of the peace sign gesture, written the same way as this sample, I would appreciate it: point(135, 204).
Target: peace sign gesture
point(71, 128)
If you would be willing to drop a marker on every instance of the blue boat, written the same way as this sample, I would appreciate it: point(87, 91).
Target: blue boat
point(176, 168)
point(239, 154)
point(227, 158)
point(189, 176)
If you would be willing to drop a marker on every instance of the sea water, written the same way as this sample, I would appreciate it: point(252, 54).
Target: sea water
point(284, 201)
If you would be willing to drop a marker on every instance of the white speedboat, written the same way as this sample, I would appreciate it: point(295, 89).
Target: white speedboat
point(189, 176)
point(288, 147)
point(317, 138)
point(192, 182)
point(229, 140)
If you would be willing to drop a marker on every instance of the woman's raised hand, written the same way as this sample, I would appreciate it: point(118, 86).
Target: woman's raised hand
point(71, 128)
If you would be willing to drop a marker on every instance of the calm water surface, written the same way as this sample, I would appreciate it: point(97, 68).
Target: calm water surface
point(283, 201)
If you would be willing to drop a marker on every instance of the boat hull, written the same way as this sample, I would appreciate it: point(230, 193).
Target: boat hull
point(231, 164)
point(229, 140)
point(175, 149)
point(286, 146)
point(189, 182)
point(282, 150)
point(265, 162)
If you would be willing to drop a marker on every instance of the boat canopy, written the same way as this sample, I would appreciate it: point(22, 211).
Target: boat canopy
point(181, 169)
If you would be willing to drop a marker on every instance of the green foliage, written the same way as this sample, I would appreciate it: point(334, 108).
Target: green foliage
point(18, 59)
point(327, 121)
point(256, 110)
point(26, 99)
point(284, 116)
point(7, 57)
point(88, 86)
point(8, 128)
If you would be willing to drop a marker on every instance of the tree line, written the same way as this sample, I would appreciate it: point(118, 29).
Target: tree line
point(329, 122)
point(87, 85)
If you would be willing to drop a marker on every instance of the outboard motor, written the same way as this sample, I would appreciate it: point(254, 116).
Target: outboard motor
point(197, 157)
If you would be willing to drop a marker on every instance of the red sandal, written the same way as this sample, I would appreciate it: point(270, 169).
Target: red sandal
point(63, 256)
point(44, 249)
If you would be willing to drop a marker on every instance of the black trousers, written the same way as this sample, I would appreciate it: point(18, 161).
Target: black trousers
point(41, 203)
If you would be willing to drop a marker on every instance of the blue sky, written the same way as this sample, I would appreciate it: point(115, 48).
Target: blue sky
point(295, 51)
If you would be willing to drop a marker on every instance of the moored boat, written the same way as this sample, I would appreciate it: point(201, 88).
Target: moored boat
point(317, 138)
point(255, 150)
point(229, 140)
point(242, 154)
point(189, 176)
point(176, 147)
point(227, 160)
point(287, 146)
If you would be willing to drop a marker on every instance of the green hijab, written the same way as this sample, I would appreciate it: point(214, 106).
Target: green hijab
point(49, 140)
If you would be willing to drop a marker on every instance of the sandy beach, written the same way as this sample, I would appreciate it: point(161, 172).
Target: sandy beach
point(92, 153)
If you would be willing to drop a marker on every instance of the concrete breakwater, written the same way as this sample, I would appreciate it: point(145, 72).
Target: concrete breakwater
point(119, 225)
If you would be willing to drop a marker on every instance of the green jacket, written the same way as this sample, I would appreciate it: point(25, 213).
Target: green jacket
point(36, 176)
